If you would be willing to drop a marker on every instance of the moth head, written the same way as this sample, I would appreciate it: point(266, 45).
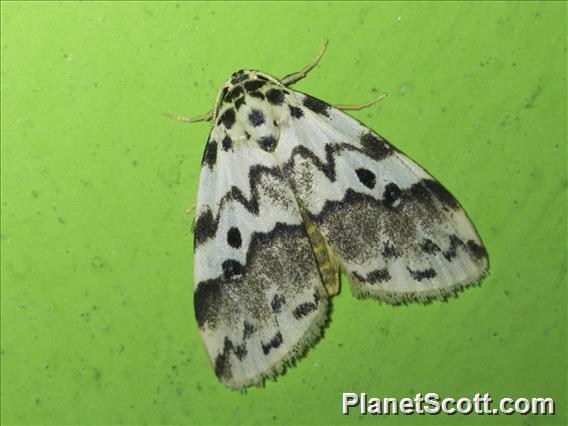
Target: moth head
point(235, 86)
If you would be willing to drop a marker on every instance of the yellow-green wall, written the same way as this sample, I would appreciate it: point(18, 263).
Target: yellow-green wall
point(97, 303)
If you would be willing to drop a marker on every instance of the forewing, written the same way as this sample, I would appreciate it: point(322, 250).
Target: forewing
point(396, 231)
point(259, 300)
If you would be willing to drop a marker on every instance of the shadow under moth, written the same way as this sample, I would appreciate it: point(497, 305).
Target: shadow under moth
point(293, 192)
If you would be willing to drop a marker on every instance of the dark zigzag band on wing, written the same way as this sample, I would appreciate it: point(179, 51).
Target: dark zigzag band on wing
point(393, 218)
point(374, 147)
point(206, 225)
point(208, 294)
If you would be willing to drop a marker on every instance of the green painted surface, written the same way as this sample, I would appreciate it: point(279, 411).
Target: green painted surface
point(97, 308)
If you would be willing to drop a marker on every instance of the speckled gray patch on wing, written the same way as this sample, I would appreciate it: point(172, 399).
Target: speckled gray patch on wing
point(263, 313)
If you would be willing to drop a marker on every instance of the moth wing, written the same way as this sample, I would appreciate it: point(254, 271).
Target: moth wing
point(397, 233)
point(259, 300)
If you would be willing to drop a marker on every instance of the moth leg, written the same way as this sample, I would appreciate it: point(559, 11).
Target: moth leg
point(294, 77)
point(190, 210)
point(346, 107)
point(194, 119)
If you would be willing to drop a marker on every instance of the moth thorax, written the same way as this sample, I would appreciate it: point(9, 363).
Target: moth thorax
point(260, 126)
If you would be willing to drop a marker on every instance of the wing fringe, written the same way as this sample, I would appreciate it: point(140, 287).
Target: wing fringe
point(314, 333)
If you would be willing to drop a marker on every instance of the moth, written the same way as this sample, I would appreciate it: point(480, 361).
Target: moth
point(293, 192)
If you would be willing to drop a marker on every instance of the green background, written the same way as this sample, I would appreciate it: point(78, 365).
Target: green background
point(97, 293)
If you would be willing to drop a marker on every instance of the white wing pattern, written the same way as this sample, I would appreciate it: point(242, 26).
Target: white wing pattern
point(291, 192)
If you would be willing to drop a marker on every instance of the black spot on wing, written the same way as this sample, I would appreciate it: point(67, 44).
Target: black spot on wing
point(233, 94)
point(391, 195)
point(296, 112)
point(316, 105)
point(420, 275)
point(430, 246)
point(232, 269)
point(274, 343)
point(275, 96)
point(376, 147)
point(374, 277)
point(420, 193)
point(234, 237)
point(366, 177)
point(223, 361)
point(256, 117)
point(224, 93)
point(455, 243)
point(239, 76)
point(277, 302)
point(441, 193)
point(389, 251)
point(241, 351)
point(253, 85)
point(304, 309)
point(268, 143)
point(210, 154)
point(227, 118)
point(477, 251)
point(227, 143)
point(206, 299)
point(257, 95)
point(239, 102)
point(205, 227)
point(248, 330)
